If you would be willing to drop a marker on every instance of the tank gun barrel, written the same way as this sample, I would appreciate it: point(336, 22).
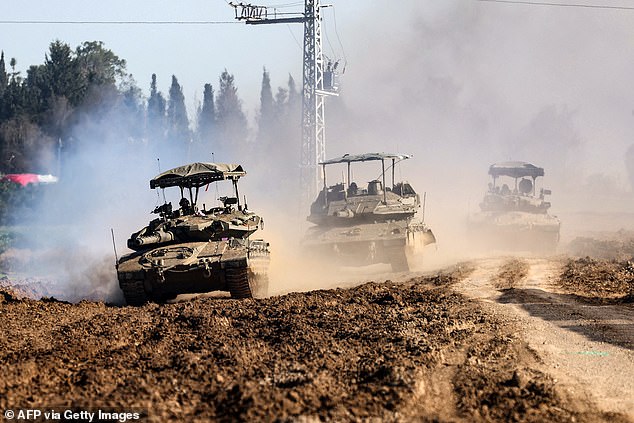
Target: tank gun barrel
point(155, 238)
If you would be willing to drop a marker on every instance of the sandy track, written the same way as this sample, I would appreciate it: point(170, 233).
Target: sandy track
point(587, 347)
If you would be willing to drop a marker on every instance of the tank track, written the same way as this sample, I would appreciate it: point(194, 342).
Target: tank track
point(259, 283)
point(398, 259)
point(238, 282)
point(258, 275)
point(134, 292)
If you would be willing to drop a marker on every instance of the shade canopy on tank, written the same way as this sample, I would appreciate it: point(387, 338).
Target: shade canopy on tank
point(349, 158)
point(195, 175)
point(515, 170)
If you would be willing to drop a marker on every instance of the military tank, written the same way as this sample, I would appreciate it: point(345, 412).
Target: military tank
point(192, 250)
point(363, 225)
point(515, 218)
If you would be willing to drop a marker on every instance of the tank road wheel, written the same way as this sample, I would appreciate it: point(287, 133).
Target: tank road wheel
point(238, 282)
point(398, 259)
point(134, 292)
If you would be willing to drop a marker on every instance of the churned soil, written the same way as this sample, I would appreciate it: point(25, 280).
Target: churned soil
point(510, 273)
point(603, 245)
point(408, 351)
point(599, 280)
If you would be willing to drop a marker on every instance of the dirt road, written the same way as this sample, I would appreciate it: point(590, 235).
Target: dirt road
point(492, 340)
point(587, 346)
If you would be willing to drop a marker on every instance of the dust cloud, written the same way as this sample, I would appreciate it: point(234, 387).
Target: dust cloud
point(103, 187)
point(460, 85)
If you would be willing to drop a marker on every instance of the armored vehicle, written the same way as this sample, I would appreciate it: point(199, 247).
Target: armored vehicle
point(362, 225)
point(195, 250)
point(515, 217)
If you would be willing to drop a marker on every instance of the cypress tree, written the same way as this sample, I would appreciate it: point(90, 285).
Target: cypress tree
point(207, 116)
point(4, 79)
point(266, 118)
point(177, 120)
point(294, 97)
point(231, 120)
point(155, 113)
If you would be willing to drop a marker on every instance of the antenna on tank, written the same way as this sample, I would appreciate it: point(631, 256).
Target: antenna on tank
point(114, 245)
point(213, 159)
point(158, 161)
point(424, 204)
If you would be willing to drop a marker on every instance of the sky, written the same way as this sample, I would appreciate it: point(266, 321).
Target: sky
point(196, 54)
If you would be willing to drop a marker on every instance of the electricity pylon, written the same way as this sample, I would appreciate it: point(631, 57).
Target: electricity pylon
point(313, 148)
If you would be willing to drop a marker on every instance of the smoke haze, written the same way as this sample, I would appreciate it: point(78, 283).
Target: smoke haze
point(462, 85)
point(459, 84)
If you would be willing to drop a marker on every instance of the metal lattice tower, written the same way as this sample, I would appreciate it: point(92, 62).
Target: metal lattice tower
point(313, 147)
point(313, 118)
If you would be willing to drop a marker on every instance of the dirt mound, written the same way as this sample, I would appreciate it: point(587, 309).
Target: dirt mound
point(599, 279)
point(606, 245)
point(395, 352)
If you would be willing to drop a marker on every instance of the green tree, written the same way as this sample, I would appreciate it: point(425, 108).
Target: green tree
point(103, 75)
point(24, 148)
point(287, 119)
point(15, 75)
point(294, 98)
point(207, 116)
point(82, 95)
point(156, 114)
point(64, 74)
point(231, 120)
point(266, 117)
point(98, 65)
point(4, 78)
point(279, 134)
point(177, 121)
point(35, 87)
point(134, 111)
point(12, 98)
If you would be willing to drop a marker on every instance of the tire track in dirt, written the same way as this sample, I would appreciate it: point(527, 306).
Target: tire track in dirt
point(588, 348)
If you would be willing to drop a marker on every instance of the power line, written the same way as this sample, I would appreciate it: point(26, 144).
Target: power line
point(294, 37)
point(578, 5)
point(345, 60)
point(325, 34)
point(32, 22)
point(280, 6)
